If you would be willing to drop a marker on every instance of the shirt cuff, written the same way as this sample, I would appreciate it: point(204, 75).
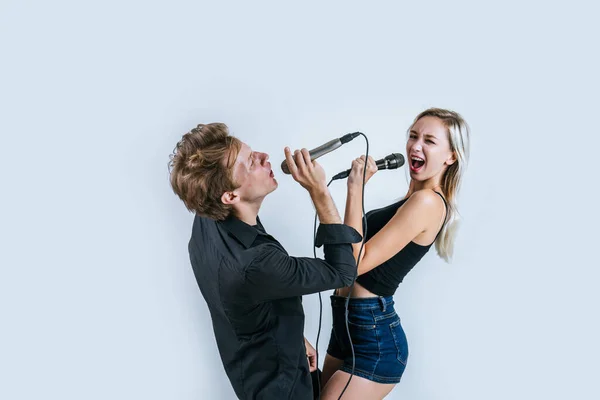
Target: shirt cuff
point(336, 234)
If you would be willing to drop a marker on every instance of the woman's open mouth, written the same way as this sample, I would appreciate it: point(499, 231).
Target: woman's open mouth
point(416, 163)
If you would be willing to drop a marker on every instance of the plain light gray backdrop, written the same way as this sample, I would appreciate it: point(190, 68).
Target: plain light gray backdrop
point(98, 299)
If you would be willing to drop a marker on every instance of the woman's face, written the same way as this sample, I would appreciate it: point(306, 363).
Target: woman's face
point(428, 148)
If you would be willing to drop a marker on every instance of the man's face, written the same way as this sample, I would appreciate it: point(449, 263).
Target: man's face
point(253, 173)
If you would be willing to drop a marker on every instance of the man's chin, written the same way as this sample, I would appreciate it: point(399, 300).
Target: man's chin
point(275, 186)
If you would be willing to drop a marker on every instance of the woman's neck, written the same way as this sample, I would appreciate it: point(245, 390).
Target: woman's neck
point(415, 186)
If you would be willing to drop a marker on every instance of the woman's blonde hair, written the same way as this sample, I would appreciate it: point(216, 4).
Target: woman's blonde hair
point(458, 136)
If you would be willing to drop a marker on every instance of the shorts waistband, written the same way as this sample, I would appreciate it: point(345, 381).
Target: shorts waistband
point(366, 303)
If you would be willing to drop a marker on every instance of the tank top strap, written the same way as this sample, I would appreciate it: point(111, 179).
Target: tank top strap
point(445, 214)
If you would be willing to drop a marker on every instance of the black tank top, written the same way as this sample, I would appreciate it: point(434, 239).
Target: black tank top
point(384, 279)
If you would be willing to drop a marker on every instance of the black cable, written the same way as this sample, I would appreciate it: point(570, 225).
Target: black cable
point(362, 245)
point(364, 220)
point(320, 306)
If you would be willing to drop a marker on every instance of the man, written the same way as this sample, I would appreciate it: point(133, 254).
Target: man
point(253, 288)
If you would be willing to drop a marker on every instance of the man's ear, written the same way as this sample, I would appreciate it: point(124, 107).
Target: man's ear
point(230, 197)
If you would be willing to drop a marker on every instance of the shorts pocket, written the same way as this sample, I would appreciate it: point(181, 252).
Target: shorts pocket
point(361, 320)
point(400, 341)
point(361, 326)
point(384, 317)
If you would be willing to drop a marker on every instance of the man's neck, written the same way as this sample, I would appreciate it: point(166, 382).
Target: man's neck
point(247, 212)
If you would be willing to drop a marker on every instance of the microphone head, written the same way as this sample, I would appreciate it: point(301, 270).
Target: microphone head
point(394, 160)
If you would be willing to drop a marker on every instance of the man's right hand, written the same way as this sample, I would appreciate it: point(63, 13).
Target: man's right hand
point(309, 174)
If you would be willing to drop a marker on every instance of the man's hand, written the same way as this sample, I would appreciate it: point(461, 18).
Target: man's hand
point(309, 174)
point(312, 177)
point(311, 356)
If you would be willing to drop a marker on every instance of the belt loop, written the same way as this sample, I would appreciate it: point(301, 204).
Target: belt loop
point(383, 304)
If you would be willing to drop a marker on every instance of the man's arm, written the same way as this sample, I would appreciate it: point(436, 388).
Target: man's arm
point(311, 176)
point(274, 274)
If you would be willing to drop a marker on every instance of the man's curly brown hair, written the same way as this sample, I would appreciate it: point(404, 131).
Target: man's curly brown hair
point(201, 169)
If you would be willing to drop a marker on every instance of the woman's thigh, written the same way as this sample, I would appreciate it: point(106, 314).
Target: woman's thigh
point(330, 366)
point(359, 388)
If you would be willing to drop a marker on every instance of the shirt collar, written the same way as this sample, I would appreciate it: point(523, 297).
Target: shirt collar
point(244, 233)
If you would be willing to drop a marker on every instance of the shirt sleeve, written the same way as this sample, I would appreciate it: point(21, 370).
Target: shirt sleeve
point(273, 274)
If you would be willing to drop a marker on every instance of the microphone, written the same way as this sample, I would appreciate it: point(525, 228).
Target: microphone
point(393, 161)
point(324, 149)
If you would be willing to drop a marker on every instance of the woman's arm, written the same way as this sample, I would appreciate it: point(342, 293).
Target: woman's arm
point(422, 210)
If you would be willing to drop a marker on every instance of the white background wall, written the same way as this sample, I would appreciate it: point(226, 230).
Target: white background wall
point(97, 297)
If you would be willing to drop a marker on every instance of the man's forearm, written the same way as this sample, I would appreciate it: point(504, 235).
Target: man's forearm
point(326, 210)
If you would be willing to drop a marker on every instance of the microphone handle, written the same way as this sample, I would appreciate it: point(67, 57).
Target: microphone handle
point(317, 152)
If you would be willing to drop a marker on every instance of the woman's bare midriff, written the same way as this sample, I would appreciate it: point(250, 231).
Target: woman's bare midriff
point(357, 291)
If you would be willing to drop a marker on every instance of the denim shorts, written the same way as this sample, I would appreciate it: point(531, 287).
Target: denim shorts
point(379, 342)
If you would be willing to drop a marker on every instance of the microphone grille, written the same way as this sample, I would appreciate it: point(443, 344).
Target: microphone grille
point(395, 160)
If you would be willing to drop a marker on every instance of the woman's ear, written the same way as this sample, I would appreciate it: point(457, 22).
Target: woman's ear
point(452, 159)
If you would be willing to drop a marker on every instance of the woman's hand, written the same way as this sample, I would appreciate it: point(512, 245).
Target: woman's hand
point(356, 175)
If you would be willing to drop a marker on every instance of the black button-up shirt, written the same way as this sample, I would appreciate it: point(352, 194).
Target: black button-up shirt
point(253, 288)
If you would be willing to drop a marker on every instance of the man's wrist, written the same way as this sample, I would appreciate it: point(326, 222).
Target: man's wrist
point(318, 192)
point(325, 206)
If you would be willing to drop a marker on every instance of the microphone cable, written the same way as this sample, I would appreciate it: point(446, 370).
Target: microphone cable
point(364, 220)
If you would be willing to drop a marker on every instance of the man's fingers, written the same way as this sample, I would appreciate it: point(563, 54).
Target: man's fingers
point(299, 158)
point(307, 160)
point(312, 363)
point(290, 161)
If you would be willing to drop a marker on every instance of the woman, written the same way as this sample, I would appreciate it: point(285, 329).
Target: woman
point(398, 236)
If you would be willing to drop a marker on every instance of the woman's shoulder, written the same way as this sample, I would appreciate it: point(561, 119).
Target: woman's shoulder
point(424, 205)
point(426, 197)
